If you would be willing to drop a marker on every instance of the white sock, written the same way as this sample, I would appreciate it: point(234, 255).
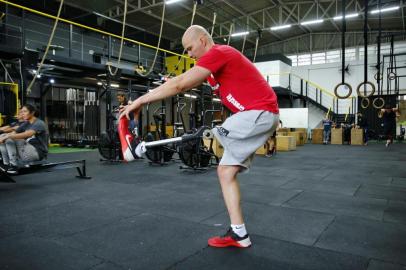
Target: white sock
point(239, 229)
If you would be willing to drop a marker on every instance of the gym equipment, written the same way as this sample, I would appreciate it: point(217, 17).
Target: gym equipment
point(201, 133)
point(376, 104)
point(41, 166)
point(365, 82)
point(191, 150)
point(378, 76)
point(365, 102)
point(392, 61)
point(161, 154)
point(343, 83)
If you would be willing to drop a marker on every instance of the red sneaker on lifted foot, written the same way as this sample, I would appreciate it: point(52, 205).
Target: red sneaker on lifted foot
point(230, 239)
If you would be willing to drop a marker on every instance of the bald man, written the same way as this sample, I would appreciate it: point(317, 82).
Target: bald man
point(243, 90)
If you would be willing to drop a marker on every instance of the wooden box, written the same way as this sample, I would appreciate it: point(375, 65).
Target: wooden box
point(357, 136)
point(317, 136)
point(304, 131)
point(169, 130)
point(218, 149)
point(336, 136)
point(261, 150)
point(285, 143)
point(299, 137)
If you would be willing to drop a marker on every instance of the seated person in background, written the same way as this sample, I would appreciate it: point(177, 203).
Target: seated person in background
point(327, 123)
point(363, 123)
point(13, 125)
point(123, 101)
point(271, 143)
point(28, 143)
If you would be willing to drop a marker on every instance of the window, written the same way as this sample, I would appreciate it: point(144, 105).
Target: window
point(350, 54)
point(333, 56)
point(303, 60)
point(318, 58)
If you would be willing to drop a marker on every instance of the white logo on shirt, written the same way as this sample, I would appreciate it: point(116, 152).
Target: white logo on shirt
point(236, 104)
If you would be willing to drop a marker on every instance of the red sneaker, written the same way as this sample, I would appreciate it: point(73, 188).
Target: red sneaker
point(127, 139)
point(230, 239)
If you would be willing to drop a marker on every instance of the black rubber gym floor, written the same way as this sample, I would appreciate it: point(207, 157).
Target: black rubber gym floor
point(320, 207)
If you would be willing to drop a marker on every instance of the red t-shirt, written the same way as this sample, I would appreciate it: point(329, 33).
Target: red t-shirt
point(242, 87)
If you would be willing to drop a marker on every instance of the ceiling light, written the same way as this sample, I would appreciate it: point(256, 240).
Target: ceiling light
point(99, 83)
point(34, 71)
point(240, 34)
point(275, 28)
point(114, 85)
point(311, 22)
point(384, 10)
point(168, 2)
point(216, 100)
point(353, 15)
point(39, 76)
point(52, 81)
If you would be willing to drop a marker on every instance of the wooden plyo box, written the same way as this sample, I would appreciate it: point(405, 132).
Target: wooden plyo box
point(169, 130)
point(357, 136)
point(299, 137)
point(218, 149)
point(261, 150)
point(285, 143)
point(304, 131)
point(317, 136)
point(336, 136)
point(283, 129)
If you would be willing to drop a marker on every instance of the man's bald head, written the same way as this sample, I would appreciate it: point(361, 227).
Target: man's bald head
point(196, 41)
point(196, 31)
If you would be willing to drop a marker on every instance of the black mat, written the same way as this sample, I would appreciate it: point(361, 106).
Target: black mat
point(319, 207)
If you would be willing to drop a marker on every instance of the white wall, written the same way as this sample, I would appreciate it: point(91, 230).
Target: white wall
point(274, 67)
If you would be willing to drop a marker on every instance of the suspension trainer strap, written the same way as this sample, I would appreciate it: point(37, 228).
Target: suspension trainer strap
point(378, 60)
point(343, 41)
point(366, 41)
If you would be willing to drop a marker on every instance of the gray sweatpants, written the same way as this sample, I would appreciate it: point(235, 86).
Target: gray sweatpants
point(13, 151)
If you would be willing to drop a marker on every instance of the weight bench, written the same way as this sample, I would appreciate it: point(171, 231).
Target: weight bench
point(43, 165)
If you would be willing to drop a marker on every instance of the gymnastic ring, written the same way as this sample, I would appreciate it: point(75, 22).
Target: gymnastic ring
point(361, 84)
point(363, 103)
point(391, 75)
point(349, 90)
point(376, 106)
point(380, 77)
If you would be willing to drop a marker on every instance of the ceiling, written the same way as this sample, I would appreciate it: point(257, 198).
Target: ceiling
point(240, 15)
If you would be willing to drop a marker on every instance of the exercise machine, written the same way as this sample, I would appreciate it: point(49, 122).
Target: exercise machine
point(43, 166)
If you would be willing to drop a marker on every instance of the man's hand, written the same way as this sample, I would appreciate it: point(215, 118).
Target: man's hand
point(135, 107)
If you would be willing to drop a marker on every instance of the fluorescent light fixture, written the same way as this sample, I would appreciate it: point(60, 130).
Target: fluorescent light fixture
point(311, 22)
point(216, 100)
point(352, 15)
point(384, 10)
point(238, 34)
point(52, 81)
point(275, 28)
point(168, 2)
point(190, 96)
point(114, 85)
point(99, 83)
